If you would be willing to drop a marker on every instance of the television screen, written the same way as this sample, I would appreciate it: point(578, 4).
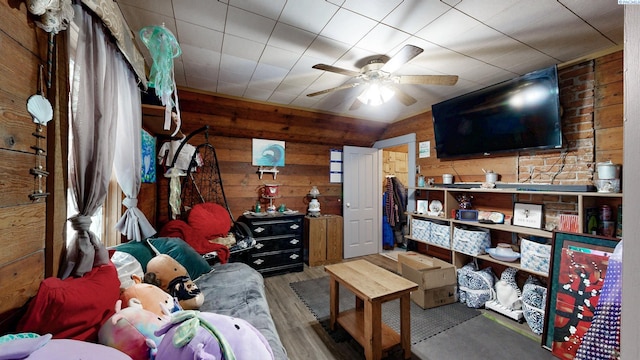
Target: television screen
point(518, 114)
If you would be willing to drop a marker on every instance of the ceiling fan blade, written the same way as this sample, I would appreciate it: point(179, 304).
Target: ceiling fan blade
point(428, 79)
point(336, 70)
point(403, 97)
point(403, 56)
point(341, 87)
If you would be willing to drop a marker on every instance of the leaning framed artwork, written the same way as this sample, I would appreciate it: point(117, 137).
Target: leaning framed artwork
point(576, 275)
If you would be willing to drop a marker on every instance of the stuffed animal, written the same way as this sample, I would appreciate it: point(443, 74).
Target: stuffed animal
point(132, 331)
point(150, 296)
point(169, 275)
point(204, 335)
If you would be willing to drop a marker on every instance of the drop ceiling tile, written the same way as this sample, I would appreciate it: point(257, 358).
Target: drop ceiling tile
point(282, 97)
point(290, 87)
point(201, 83)
point(382, 38)
point(264, 84)
point(278, 57)
point(242, 48)
point(327, 50)
point(248, 25)
point(291, 38)
point(234, 66)
point(199, 61)
point(269, 72)
point(270, 9)
point(448, 28)
point(231, 89)
point(162, 7)
point(554, 29)
point(347, 27)
point(605, 17)
point(412, 15)
point(209, 14)
point(138, 18)
point(198, 36)
point(374, 9)
point(257, 93)
point(310, 15)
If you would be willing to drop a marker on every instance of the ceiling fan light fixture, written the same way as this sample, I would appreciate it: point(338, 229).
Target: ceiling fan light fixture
point(376, 94)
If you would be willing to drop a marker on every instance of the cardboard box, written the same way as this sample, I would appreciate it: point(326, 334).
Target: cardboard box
point(435, 297)
point(428, 272)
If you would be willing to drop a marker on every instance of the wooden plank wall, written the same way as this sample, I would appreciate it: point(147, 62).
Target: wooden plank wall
point(309, 138)
point(22, 221)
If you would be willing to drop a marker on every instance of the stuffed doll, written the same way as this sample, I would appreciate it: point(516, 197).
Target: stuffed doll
point(205, 336)
point(132, 331)
point(169, 275)
point(150, 296)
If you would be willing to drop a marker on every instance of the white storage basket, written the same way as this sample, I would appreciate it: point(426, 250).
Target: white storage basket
point(471, 241)
point(535, 256)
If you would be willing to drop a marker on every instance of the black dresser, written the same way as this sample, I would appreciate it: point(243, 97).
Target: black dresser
point(279, 247)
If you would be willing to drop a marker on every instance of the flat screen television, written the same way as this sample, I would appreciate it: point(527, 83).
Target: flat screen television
point(515, 115)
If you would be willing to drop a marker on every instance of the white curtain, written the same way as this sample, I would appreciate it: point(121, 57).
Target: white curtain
point(127, 162)
point(97, 72)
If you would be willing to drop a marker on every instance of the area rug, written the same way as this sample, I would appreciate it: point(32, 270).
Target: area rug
point(425, 323)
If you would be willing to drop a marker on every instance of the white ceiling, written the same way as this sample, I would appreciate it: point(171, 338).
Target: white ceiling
point(264, 50)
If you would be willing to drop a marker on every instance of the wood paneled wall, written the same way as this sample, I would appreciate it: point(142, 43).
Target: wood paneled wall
point(233, 123)
point(22, 221)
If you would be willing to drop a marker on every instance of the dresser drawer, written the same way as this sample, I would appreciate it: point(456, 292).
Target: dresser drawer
point(277, 243)
point(276, 261)
point(272, 227)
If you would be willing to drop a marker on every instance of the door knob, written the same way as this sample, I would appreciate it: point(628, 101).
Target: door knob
point(348, 204)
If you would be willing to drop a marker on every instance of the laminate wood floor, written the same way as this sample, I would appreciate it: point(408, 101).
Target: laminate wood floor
point(300, 332)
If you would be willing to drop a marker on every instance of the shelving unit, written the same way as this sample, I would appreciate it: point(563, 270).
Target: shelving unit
point(502, 200)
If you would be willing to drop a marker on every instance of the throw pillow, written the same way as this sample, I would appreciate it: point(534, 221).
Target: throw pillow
point(73, 308)
point(183, 253)
point(210, 219)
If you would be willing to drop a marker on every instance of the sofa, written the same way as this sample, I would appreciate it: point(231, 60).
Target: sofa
point(77, 308)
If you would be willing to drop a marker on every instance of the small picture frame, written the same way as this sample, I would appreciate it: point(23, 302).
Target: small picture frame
point(527, 215)
point(422, 206)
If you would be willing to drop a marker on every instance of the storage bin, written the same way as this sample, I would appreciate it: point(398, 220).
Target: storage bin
point(440, 234)
point(534, 256)
point(420, 229)
point(471, 241)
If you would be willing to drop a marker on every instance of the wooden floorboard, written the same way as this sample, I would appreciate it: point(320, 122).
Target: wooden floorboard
point(300, 332)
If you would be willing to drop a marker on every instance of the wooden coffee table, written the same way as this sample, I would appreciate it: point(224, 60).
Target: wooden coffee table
point(372, 286)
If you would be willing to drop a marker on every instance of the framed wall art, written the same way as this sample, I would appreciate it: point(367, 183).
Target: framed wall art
point(576, 275)
point(527, 215)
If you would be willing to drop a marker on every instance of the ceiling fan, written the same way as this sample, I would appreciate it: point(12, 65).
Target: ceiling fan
point(377, 75)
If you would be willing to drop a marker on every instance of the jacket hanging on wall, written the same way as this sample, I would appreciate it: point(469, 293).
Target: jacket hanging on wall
point(396, 202)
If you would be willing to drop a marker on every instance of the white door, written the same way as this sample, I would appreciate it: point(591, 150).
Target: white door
point(362, 207)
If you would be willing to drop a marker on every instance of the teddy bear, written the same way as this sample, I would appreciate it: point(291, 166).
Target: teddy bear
point(150, 296)
point(199, 335)
point(169, 275)
point(132, 331)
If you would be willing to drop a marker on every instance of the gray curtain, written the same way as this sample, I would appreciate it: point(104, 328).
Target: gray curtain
point(127, 163)
point(94, 96)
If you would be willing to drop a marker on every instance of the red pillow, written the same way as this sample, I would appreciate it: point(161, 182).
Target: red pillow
point(210, 220)
point(73, 308)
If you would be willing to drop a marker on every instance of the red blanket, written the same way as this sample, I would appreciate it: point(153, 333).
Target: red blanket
point(180, 229)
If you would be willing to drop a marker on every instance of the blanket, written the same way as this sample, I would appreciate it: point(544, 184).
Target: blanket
point(180, 229)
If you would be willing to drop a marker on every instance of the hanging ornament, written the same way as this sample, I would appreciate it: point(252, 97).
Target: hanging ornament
point(164, 47)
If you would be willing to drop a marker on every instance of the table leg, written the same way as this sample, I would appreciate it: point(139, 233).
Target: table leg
point(405, 325)
point(372, 330)
point(334, 302)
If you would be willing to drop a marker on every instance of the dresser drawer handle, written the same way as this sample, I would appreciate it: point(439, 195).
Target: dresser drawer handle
point(294, 256)
point(294, 241)
point(258, 261)
point(259, 229)
point(294, 226)
point(259, 246)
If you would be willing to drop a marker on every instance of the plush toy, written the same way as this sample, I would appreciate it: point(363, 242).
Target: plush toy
point(204, 335)
point(132, 331)
point(150, 296)
point(169, 275)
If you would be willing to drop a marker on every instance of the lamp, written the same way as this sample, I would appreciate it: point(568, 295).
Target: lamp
point(376, 94)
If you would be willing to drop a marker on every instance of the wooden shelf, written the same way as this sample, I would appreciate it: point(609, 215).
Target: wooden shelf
point(353, 322)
